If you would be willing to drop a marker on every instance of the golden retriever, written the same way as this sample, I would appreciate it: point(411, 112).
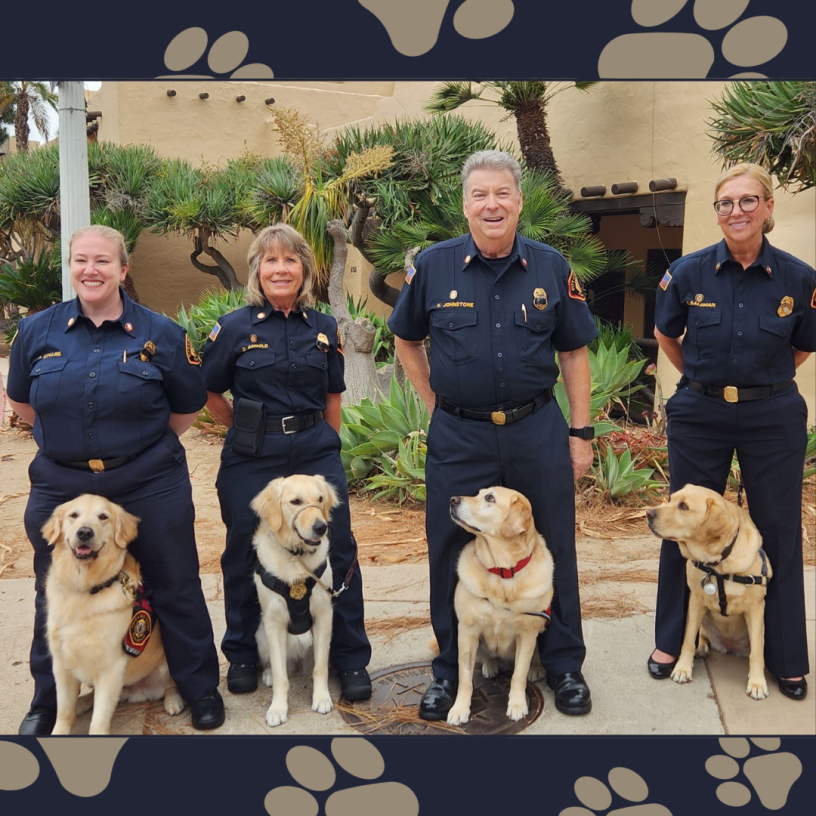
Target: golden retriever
point(717, 538)
point(503, 596)
point(292, 543)
point(89, 595)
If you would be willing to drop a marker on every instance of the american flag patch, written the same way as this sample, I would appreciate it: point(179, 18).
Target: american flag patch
point(411, 273)
point(666, 280)
point(214, 333)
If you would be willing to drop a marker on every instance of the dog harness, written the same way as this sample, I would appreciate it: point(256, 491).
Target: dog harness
point(711, 573)
point(296, 596)
point(143, 619)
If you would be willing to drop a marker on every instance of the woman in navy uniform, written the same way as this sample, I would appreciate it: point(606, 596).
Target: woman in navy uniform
point(108, 387)
point(748, 311)
point(282, 362)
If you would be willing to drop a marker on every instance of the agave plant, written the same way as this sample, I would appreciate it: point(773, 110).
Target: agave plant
point(33, 284)
point(618, 475)
point(202, 316)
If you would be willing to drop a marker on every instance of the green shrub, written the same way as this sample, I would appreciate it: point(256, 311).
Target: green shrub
point(617, 475)
point(34, 285)
point(213, 304)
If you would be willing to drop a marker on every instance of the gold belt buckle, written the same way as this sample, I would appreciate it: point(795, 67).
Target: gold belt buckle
point(96, 465)
point(731, 393)
point(498, 417)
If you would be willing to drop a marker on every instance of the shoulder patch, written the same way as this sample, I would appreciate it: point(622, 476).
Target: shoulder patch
point(214, 333)
point(410, 274)
point(192, 355)
point(665, 280)
point(575, 290)
point(812, 303)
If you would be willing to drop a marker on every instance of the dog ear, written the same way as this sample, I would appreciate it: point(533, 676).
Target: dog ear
point(126, 526)
point(52, 529)
point(519, 518)
point(716, 522)
point(267, 504)
point(333, 499)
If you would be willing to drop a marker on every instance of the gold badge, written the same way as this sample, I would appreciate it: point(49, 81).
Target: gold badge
point(192, 354)
point(698, 298)
point(453, 294)
point(253, 338)
point(322, 342)
point(146, 354)
point(574, 288)
point(297, 591)
point(785, 307)
point(261, 315)
point(540, 299)
point(129, 327)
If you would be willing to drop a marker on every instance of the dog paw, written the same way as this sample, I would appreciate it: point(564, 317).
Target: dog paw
point(173, 702)
point(322, 705)
point(490, 667)
point(276, 715)
point(19, 768)
point(313, 770)
point(771, 775)
point(682, 673)
point(459, 715)
point(536, 673)
point(266, 678)
point(224, 57)
point(626, 784)
point(758, 689)
point(516, 711)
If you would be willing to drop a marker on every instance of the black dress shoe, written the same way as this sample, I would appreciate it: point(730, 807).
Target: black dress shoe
point(438, 699)
point(242, 677)
point(207, 711)
point(571, 693)
point(355, 684)
point(795, 689)
point(39, 722)
point(660, 671)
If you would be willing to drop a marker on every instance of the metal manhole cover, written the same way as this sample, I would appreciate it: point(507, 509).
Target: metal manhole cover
point(393, 707)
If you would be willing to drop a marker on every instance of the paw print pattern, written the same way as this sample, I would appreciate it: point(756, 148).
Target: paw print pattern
point(414, 27)
point(225, 56)
point(313, 770)
point(18, 766)
point(771, 775)
point(669, 55)
point(627, 784)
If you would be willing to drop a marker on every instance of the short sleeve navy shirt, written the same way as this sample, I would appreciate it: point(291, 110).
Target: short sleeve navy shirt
point(93, 394)
point(741, 325)
point(494, 327)
point(287, 363)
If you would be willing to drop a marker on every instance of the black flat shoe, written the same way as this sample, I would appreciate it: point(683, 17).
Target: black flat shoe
point(39, 722)
point(242, 677)
point(355, 684)
point(795, 689)
point(660, 671)
point(438, 699)
point(208, 711)
point(571, 693)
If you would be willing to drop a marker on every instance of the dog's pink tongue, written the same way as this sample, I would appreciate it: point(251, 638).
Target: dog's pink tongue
point(83, 549)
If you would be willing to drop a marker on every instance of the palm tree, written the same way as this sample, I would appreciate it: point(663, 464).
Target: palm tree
point(772, 124)
point(525, 101)
point(28, 98)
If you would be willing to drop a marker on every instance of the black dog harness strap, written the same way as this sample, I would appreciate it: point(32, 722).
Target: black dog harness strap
point(748, 580)
point(296, 596)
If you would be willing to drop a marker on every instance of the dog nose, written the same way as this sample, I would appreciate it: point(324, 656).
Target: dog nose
point(319, 528)
point(456, 501)
point(85, 533)
point(651, 513)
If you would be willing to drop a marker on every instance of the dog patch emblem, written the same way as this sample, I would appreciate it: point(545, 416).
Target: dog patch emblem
point(322, 342)
point(298, 591)
point(575, 290)
point(540, 299)
point(785, 307)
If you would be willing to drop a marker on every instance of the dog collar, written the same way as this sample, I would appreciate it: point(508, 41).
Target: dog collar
point(748, 580)
point(504, 572)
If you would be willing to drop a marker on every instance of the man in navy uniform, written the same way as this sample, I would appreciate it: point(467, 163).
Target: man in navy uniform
point(497, 307)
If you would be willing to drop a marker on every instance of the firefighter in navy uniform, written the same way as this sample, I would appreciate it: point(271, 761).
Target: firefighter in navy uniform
point(282, 362)
point(497, 307)
point(748, 311)
point(109, 386)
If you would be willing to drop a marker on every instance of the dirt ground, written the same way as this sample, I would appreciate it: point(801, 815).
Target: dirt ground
point(613, 541)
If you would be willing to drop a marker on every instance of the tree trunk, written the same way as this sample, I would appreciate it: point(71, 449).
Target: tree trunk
point(128, 286)
point(357, 335)
point(223, 270)
point(534, 139)
point(21, 122)
point(376, 279)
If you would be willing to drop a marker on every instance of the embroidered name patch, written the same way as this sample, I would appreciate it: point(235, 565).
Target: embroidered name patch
point(462, 304)
point(214, 333)
point(50, 353)
point(665, 280)
point(699, 303)
point(254, 346)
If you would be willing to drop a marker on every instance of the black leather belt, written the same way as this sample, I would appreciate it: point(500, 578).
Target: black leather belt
point(97, 465)
point(730, 393)
point(294, 423)
point(502, 416)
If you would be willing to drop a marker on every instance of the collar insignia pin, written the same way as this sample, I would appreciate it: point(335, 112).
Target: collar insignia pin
point(72, 321)
point(129, 327)
point(261, 315)
point(467, 259)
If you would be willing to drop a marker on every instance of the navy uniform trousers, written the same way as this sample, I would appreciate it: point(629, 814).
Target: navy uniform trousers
point(155, 487)
point(769, 436)
point(531, 456)
point(314, 451)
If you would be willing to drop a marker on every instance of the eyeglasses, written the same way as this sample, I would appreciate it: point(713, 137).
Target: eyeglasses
point(747, 204)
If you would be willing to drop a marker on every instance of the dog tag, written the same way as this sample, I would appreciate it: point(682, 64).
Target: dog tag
point(708, 586)
point(297, 591)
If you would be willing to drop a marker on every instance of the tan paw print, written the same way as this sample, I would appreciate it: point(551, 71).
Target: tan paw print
point(414, 27)
point(669, 55)
point(313, 770)
point(225, 56)
point(627, 784)
point(771, 775)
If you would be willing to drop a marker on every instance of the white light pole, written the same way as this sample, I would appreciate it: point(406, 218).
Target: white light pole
point(75, 207)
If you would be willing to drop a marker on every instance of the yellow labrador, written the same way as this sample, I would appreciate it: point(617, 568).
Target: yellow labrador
point(90, 592)
point(292, 543)
point(727, 573)
point(503, 597)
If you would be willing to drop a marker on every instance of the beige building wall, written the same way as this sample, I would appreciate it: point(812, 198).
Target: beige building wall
point(617, 131)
